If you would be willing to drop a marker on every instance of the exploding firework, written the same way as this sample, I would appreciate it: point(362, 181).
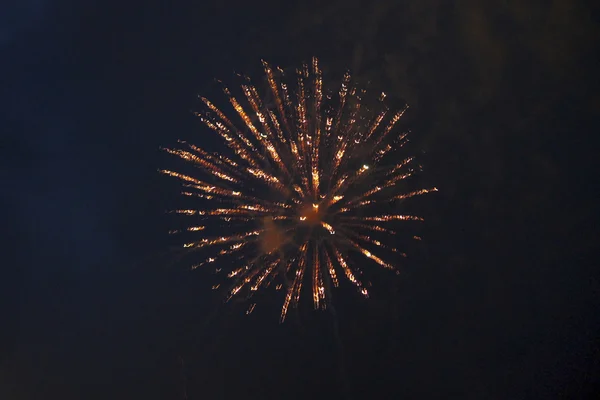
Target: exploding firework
point(303, 189)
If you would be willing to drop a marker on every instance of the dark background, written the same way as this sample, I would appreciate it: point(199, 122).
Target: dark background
point(499, 302)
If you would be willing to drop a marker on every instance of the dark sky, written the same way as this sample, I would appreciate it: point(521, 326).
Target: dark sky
point(499, 302)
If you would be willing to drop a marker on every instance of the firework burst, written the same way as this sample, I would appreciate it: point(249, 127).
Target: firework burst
point(302, 190)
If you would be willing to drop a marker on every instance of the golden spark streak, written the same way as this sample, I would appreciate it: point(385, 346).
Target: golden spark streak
point(221, 240)
point(243, 281)
point(293, 293)
point(316, 278)
point(391, 124)
point(415, 193)
point(274, 88)
point(376, 123)
point(205, 187)
point(375, 228)
point(255, 103)
point(385, 218)
point(217, 159)
point(269, 179)
point(328, 227)
point(181, 176)
point(331, 270)
point(372, 256)
point(349, 273)
point(389, 183)
point(262, 277)
point(185, 155)
point(225, 133)
point(300, 272)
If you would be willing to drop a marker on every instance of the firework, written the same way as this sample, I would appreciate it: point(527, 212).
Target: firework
point(300, 188)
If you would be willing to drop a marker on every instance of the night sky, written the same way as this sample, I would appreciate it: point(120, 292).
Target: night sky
point(499, 301)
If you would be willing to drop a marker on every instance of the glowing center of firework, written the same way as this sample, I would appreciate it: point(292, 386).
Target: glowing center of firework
point(310, 214)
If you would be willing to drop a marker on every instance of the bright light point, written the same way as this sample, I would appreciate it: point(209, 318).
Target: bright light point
point(328, 227)
point(310, 213)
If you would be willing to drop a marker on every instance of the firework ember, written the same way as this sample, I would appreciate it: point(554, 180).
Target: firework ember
point(302, 191)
